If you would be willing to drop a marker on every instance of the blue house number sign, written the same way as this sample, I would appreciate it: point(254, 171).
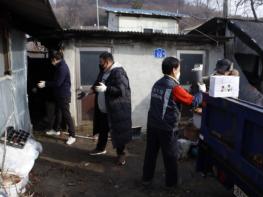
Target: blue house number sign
point(159, 53)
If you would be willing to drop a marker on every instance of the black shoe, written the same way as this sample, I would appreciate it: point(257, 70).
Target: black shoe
point(121, 160)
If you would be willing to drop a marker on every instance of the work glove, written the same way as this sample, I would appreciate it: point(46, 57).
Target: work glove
point(81, 95)
point(202, 87)
point(41, 84)
point(101, 88)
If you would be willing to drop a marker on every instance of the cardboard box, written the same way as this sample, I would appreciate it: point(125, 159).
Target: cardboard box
point(224, 86)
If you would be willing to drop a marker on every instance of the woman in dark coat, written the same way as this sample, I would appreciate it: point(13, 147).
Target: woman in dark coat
point(112, 107)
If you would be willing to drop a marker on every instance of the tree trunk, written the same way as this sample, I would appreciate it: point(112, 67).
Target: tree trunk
point(253, 9)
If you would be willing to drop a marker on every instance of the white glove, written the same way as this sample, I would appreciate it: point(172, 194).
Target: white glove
point(41, 84)
point(202, 87)
point(101, 88)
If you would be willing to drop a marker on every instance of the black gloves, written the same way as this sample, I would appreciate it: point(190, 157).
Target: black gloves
point(81, 95)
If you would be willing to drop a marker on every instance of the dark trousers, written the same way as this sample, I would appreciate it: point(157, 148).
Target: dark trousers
point(62, 110)
point(167, 141)
point(104, 133)
point(50, 114)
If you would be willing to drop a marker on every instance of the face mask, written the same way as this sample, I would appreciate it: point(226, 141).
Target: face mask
point(101, 66)
point(178, 76)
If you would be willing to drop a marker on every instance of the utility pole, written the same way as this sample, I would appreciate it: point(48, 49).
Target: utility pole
point(98, 16)
point(225, 9)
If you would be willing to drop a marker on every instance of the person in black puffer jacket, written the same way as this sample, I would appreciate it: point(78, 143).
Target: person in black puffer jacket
point(112, 107)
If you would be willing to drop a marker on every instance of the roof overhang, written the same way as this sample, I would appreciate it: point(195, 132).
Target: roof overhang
point(248, 31)
point(144, 13)
point(214, 26)
point(147, 16)
point(105, 34)
point(34, 17)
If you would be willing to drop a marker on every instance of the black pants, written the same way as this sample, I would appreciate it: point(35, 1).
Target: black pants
point(50, 114)
point(104, 133)
point(62, 110)
point(167, 141)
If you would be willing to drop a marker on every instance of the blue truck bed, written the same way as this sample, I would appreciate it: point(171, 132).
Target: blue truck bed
point(231, 144)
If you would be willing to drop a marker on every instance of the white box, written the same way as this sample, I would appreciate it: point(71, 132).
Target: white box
point(224, 86)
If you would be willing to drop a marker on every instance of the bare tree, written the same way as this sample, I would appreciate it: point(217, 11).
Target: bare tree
point(251, 4)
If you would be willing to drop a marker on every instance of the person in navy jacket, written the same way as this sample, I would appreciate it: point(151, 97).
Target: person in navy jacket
point(167, 98)
point(61, 85)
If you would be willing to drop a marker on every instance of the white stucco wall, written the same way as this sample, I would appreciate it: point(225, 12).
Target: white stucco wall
point(70, 58)
point(138, 24)
point(142, 67)
point(113, 22)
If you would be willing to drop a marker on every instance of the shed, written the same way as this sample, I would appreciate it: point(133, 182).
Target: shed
point(245, 49)
point(17, 19)
point(136, 51)
point(141, 20)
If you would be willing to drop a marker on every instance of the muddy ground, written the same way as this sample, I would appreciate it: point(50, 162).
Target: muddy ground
point(70, 172)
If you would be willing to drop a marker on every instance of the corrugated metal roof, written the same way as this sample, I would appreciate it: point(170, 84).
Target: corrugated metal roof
point(90, 34)
point(153, 13)
point(253, 28)
point(32, 16)
point(248, 31)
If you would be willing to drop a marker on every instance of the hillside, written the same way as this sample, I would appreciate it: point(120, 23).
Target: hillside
point(75, 13)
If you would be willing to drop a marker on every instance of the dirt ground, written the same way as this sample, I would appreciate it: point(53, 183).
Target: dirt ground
point(63, 171)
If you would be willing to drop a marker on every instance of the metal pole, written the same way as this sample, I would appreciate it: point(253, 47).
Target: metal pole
point(225, 9)
point(98, 17)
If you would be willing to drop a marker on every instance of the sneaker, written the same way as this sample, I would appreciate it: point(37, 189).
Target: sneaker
point(97, 152)
point(121, 160)
point(71, 140)
point(53, 132)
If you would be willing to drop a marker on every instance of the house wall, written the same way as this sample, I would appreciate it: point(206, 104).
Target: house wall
point(142, 67)
point(113, 22)
point(138, 24)
point(13, 99)
point(70, 58)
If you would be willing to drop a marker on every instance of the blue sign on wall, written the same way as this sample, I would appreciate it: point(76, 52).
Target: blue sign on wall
point(159, 53)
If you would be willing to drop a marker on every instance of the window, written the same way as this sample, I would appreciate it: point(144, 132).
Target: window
point(147, 30)
point(4, 56)
point(158, 31)
point(89, 69)
point(188, 60)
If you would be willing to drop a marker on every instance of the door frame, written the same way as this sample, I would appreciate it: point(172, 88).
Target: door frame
point(78, 76)
point(192, 51)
